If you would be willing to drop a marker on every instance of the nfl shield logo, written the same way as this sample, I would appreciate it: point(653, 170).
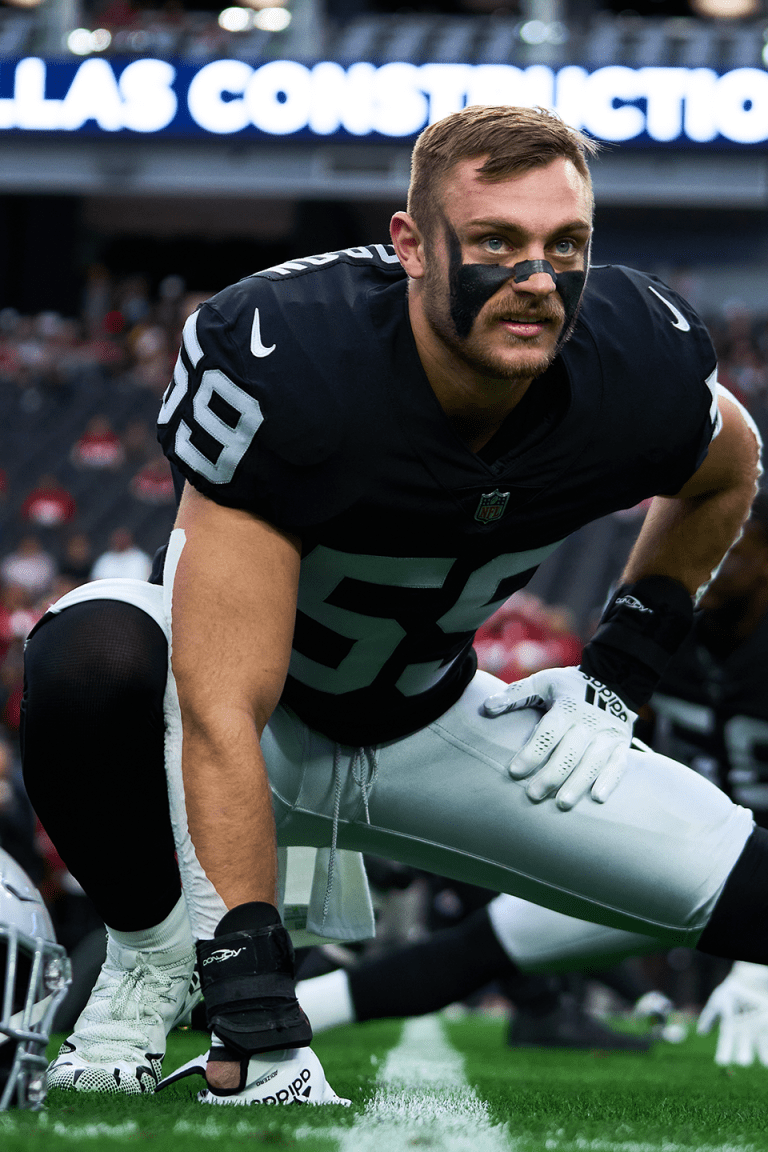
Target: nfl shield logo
point(492, 506)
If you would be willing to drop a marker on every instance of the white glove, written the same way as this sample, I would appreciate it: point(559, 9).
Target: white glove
point(740, 1006)
point(579, 746)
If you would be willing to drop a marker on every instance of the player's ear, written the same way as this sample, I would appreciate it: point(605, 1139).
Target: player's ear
point(409, 244)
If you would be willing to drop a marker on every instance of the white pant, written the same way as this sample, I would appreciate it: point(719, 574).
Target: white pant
point(651, 860)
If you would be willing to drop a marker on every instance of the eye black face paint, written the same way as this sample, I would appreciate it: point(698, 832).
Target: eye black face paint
point(471, 285)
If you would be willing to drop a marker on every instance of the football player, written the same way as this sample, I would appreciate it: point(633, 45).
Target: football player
point(378, 446)
point(35, 977)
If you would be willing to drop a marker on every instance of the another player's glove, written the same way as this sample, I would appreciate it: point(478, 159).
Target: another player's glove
point(740, 1006)
point(579, 745)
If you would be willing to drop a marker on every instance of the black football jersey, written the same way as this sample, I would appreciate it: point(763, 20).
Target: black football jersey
point(711, 712)
point(299, 395)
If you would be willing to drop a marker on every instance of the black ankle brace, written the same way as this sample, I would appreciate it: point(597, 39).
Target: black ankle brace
point(247, 978)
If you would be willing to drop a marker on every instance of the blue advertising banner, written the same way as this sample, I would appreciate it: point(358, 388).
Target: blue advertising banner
point(678, 107)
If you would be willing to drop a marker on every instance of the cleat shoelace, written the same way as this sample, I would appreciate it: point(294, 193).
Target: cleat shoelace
point(125, 1012)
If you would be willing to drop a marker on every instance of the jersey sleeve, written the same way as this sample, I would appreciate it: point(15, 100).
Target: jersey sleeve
point(675, 317)
point(234, 420)
point(660, 369)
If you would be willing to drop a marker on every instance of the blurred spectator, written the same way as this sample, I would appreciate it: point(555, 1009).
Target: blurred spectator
point(153, 484)
point(153, 360)
point(12, 687)
point(99, 446)
point(133, 300)
point(171, 292)
point(138, 441)
point(17, 616)
point(123, 558)
point(30, 566)
point(49, 504)
point(77, 559)
point(98, 294)
point(526, 635)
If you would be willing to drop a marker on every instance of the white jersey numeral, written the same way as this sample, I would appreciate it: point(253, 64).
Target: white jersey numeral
point(235, 440)
point(375, 638)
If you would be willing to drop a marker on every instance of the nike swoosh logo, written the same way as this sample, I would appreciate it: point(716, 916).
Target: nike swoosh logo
point(680, 320)
point(257, 347)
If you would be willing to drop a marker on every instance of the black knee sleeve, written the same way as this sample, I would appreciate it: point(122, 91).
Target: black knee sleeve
point(738, 927)
point(93, 755)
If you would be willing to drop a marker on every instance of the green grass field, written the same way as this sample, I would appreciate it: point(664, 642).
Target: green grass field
point(447, 1085)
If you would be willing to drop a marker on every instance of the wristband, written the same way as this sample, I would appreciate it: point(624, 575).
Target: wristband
point(641, 629)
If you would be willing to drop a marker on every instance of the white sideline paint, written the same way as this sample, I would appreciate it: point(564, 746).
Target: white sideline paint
point(582, 1144)
point(422, 1092)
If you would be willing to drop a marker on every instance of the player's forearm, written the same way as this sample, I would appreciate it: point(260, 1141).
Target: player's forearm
point(685, 539)
point(685, 536)
point(229, 805)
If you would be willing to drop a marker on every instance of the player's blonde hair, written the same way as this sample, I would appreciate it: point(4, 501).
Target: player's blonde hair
point(513, 140)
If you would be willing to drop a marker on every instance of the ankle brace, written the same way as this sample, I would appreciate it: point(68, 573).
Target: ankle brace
point(247, 979)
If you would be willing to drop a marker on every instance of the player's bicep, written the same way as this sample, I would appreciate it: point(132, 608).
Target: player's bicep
point(233, 609)
point(733, 459)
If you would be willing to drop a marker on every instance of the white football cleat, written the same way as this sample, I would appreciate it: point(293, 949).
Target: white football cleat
point(740, 1006)
point(118, 1042)
point(291, 1076)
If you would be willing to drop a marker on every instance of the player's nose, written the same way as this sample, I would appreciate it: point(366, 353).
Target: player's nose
point(537, 283)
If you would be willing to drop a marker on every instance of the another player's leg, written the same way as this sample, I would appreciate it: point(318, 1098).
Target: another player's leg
point(456, 962)
point(93, 763)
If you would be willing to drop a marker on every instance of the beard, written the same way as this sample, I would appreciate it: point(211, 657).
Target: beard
point(476, 351)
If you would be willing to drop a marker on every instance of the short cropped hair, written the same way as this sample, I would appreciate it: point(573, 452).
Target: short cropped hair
point(514, 140)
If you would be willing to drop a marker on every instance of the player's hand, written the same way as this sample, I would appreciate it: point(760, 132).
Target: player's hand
point(740, 1006)
point(579, 746)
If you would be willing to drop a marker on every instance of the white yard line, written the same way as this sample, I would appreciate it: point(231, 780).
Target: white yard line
point(422, 1096)
point(583, 1144)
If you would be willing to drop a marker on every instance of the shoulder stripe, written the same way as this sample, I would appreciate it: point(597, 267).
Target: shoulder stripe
point(175, 392)
point(190, 340)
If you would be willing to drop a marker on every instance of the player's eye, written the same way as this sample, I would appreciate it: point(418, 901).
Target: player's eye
point(566, 247)
point(494, 244)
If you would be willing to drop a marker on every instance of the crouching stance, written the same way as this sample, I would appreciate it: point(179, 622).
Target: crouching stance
point(379, 446)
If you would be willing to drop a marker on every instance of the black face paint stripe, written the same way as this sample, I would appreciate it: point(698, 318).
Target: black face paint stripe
point(472, 285)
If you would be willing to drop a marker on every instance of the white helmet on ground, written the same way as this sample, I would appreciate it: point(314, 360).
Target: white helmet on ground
point(36, 975)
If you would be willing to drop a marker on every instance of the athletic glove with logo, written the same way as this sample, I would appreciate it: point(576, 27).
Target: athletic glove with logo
point(579, 745)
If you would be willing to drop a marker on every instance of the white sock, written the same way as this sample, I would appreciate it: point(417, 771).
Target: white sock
point(172, 936)
point(326, 1000)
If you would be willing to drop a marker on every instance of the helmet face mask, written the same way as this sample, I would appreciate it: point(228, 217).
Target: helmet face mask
point(35, 975)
